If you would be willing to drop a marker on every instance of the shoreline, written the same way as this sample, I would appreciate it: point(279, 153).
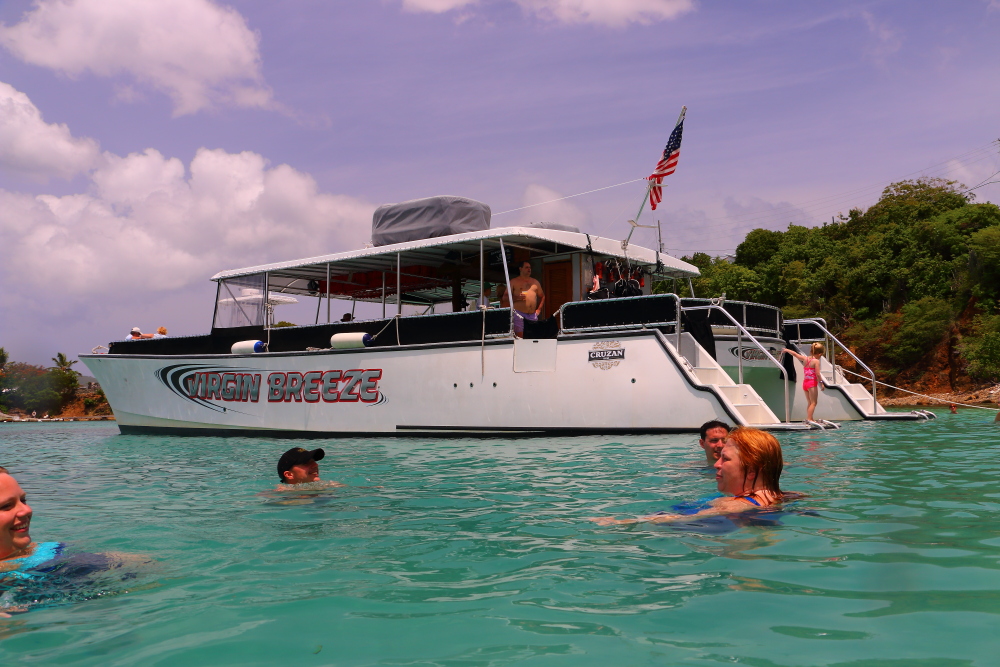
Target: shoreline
point(985, 397)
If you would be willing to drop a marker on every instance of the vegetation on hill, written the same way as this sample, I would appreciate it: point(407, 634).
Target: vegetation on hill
point(30, 388)
point(912, 283)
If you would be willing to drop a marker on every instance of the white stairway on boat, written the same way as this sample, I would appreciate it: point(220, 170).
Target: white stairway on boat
point(835, 376)
point(707, 371)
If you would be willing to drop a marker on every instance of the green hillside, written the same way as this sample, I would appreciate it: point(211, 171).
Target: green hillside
point(911, 283)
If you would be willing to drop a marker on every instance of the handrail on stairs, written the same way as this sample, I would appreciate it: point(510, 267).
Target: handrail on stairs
point(821, 323)
point(741, 331)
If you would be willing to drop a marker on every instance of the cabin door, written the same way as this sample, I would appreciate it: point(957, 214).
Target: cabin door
point(557, 283)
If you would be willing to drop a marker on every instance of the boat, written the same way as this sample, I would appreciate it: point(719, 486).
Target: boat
point(610, 353)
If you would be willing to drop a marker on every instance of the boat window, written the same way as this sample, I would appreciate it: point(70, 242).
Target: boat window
point(240, 302)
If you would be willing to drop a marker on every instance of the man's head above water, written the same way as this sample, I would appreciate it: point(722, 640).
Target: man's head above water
point(713, 437)
point(298, 465)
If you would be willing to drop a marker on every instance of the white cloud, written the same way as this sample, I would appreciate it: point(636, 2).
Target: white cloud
point(886, 39)
point(546, 206)
point(150, 223)
point(436, 6)
point(197, 52)
point(615, 13)
point(30, 146)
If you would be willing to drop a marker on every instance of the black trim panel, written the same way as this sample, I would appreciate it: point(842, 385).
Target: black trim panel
point(405, 432)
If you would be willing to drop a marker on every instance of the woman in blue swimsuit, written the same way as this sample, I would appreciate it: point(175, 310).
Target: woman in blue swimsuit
point(747, 473)
point(15, 518)
point(38, 571)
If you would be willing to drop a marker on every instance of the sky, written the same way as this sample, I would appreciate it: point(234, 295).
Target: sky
point(145, 146)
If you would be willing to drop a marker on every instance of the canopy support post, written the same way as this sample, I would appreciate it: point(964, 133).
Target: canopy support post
point(483, 304)
point(267, 309)
point(506, 277)
point(328, 292)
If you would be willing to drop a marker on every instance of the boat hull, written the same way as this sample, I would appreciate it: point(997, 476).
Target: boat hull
point(631, 382)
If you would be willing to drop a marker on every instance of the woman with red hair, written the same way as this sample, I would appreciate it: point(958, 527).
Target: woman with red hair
point(747, 472)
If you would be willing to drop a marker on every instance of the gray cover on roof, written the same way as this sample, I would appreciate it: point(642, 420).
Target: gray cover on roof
point(428, 218)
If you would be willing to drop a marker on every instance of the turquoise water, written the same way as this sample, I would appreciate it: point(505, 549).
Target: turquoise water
point(478, 552)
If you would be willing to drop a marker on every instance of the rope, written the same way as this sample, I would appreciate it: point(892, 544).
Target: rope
point(940, 400)
point(394, 317)
point(579, 194)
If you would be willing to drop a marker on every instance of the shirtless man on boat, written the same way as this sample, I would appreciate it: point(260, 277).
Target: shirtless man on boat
point(528, 298)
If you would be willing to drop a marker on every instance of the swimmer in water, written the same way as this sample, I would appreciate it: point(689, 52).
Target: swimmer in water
point(748, 471)
point(26, 563)
point(15, 519)
point(713, 437)
point(299, 466)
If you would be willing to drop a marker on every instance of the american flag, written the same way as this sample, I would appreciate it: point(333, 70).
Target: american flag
point(667, 164)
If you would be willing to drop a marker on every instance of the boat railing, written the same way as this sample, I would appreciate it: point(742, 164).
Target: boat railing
point(820, 323)
point(755, 317)
point(631, 312)
point(741, 331)
point(389, 332)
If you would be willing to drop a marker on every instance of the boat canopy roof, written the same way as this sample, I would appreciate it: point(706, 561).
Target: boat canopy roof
point(426, 261)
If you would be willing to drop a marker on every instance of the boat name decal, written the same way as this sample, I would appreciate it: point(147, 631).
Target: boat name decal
point(329, 386)
point(752, 353)
point(203, 384)
point(606, 354)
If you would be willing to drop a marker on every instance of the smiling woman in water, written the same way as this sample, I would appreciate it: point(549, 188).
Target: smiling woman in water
point(25, 565)
point(748, 472)
point(15, 519)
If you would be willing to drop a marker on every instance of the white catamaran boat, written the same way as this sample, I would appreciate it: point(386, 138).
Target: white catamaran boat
point(607, 356)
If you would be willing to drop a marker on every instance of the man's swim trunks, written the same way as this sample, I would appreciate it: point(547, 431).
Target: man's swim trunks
point(519, 319)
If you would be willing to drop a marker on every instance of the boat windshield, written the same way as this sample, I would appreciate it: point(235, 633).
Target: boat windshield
point(240, 302)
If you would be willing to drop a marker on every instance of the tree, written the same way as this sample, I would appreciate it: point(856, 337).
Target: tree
point(982, 350)
point(29, 387)
point(758, 247)
point(923, 324)
point(736, 282)
point(891, 279)
point(62, 362)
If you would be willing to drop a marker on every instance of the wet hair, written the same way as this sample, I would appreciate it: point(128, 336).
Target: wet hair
point(817, 348)
point(760, 453)
point(715, 423)
point(4, 471)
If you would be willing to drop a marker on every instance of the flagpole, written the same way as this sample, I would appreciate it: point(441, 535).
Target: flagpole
point(649, 186)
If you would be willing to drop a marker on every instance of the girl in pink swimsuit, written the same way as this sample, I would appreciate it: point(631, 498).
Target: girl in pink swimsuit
point(810, 375)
